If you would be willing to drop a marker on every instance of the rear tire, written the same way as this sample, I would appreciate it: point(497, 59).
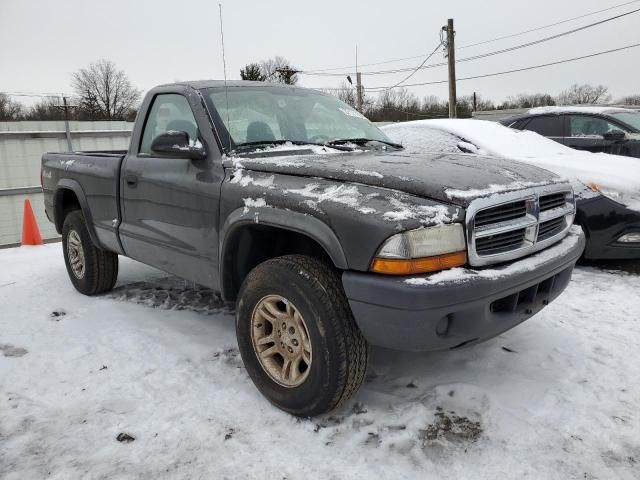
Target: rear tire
point(91, 269)
point(295, 305)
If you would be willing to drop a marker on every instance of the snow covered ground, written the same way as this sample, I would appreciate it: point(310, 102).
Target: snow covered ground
point(557, 397)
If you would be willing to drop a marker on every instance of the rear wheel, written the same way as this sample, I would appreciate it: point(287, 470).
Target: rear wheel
point(91, 269)
point(297, 336)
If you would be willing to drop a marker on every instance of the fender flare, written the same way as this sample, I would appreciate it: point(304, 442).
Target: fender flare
point(76, 188)
point(301, 223)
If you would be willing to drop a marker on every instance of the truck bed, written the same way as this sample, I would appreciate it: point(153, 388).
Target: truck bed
point(94, 177)
point(94, 153)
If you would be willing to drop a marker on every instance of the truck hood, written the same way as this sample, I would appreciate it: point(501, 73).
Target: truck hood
point(448, 178)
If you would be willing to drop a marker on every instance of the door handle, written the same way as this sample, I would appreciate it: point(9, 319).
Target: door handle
point(131, 180)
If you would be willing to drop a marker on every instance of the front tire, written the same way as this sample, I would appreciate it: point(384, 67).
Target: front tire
point(91, 269)
point(297, 336)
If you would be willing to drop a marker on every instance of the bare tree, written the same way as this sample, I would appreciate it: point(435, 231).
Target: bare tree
point(529, 100)
point(105, 92)
point(344, 92)
point(465, 105)
point(435, 107)
point(395, 105)
point(630, 100)
point(10, 109)
point(46, 109)
point(252, 71)
point(584, 94)
point(279, 69)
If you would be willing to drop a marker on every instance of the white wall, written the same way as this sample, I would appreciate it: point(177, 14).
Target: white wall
point(21, 147)
point(497, 115)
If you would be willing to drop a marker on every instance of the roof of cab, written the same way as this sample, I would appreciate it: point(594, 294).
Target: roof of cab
point(200, 84)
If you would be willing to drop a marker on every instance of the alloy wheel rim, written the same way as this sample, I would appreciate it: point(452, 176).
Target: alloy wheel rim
point(76, 254)
point(280, 339)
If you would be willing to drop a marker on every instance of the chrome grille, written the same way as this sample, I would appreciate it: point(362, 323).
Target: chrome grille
point(550, 228)
point(501, 213)
point(501, 242)
point(515, 224)
point(549, 202)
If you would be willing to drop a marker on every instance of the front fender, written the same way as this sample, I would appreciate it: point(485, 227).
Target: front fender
point(288, 220)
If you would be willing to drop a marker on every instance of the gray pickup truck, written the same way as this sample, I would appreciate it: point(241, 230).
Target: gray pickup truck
point(327, 236)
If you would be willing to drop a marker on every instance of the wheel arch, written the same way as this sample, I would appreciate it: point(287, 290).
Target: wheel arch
point(277, 233)
point(69, 196)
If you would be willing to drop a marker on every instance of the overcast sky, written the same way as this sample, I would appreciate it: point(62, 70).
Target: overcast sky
point(159, 41)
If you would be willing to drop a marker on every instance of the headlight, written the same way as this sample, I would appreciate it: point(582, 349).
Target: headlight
point(422, 251)
point(629, 238)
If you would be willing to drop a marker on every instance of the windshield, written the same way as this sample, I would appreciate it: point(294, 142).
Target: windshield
point(630, 118)
point(258, 114)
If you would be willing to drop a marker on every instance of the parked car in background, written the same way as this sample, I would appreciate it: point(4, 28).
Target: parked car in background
point(607, 186)
point(325, 235)
point(594, 129)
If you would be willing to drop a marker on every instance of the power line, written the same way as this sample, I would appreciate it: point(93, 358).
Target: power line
point(505, 72)
point(517, 34)
point(543, 27)
point(552, 37)
point(496, 52)
point(33, 94)
point(415, 70)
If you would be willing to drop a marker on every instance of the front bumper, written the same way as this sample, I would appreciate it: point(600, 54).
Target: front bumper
point(604, 221)
point(459, 307)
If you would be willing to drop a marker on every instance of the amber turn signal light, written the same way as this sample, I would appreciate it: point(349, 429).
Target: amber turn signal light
point(414, 266)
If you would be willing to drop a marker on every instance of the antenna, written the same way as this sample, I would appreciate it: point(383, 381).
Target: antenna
point(226, 89)
point(356, 57)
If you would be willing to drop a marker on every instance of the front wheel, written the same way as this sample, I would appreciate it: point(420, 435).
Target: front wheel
point(297, 336)
point(91, 269)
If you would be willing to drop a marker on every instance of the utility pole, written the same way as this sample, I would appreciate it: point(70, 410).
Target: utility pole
point(359, 91)
point(475, 102)
point(451, 54)
point(67, 130)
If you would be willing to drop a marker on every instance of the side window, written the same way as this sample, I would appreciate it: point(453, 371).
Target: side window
point(586, 126)
point(545, 126)
point(169, 111)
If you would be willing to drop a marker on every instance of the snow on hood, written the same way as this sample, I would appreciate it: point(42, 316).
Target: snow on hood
point(451, 178)
point(614, 174)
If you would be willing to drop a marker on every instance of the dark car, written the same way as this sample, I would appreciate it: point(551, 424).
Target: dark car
point(595, 129)
point(611, 225)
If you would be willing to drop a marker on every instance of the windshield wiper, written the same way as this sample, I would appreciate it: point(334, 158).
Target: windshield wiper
point(361, 141)
point(263, 143)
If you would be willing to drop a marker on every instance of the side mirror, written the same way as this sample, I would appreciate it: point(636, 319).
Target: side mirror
point(176, 144)
point(615, 135)
point(467, 147)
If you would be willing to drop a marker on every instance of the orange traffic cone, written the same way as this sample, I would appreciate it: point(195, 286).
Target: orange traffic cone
point(30, 232)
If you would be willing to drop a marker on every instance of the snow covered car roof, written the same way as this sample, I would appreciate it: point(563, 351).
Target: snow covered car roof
point(612, 173)
point(577, 109)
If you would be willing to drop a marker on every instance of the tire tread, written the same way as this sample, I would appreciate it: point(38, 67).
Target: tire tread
point(352, 346)
point(101, 266)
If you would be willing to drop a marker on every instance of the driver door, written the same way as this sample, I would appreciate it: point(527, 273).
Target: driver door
point(170, 205)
